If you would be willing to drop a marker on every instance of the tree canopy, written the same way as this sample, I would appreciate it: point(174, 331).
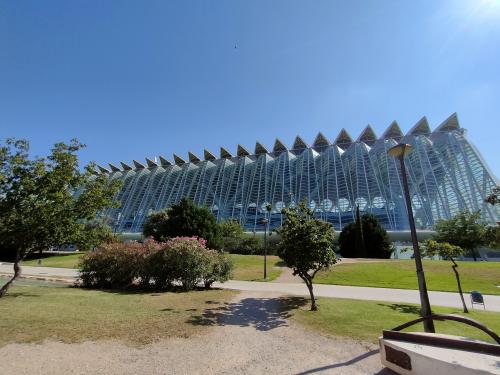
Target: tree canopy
point(464, 230)
point(365, 238)
point(47, 202)
point(307, 245)
point(184, 219)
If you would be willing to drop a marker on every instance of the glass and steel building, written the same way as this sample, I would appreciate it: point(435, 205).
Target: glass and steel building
point(446, 175)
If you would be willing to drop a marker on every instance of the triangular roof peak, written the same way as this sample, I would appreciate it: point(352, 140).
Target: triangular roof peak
point(367, 136)
point(164, 162)
point(208, 155)
point(260, 149)
point(421, 127)
point(225, 154)
point(299, 144)
point(393, 132)
point(178, 160)
point(242, 151)
point(126, 167)
point(151, 163)
point(343, 140)
point(450, 124)
point(321, 141)
point(193, 158)
point(102, 169)
point(138, 165)
point(279, 147)
point(114, 168)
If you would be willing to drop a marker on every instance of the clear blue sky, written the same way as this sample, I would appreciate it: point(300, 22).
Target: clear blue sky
point(135, 79)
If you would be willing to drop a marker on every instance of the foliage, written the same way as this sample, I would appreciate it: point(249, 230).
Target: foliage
point(231, 228)
point(306, 245)
point(46, 202)
point(94, 233)
point(494, 197)
point(463, 230)
point(184, 219)
point(247, 244)
point(376, 243)
point(493, 237)
point(184, 261)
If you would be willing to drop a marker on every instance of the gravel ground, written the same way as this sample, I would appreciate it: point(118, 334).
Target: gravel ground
point(251, 335)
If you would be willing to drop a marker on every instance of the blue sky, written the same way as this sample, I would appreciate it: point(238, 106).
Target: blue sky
point(135, 79)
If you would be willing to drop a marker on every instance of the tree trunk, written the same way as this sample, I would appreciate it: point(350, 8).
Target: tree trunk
point(454, 267)
point(17, 272)
point(311, 293)
point(474, 255)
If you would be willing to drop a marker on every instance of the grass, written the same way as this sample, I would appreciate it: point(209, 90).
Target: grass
point(61, 261)
point(247, 267)
point(480, 276)
point(33, 313)
point(365, 320)
point(251, 267)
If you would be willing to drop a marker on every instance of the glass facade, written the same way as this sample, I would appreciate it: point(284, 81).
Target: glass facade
point(446, 175)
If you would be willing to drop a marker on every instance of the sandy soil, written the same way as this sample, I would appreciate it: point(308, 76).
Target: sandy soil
point(251, 335)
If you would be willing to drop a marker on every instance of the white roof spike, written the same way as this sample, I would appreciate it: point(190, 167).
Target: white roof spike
point(367, 136)
point(420, 128)
point(114, 168)
point(193, 158)
point(138, 165)
point(279, 147)
point(164, 162)
point(242, 151)
point(260, 149)
point(450, 124)
point(151, 163)
point(321, 141)
point(178, 160)
point(225, 154)
point(299, 144)
point(126, 167)
point(208, 155)
point(343, 140)
point(393, 132)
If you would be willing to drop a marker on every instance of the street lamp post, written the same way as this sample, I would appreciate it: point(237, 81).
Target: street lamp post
point(265, 221)
point(400, 151)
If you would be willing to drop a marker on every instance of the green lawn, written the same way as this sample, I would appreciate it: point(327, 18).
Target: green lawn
point(62, 261)
point(33, 313)
point(251, 267)
point(365, 320)
point(481, 276)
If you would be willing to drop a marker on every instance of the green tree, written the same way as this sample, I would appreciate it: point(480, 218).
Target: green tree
point(494, 197)
point(376, 243)
point(464, 230)
point(449, 252)
point(184, 219)
point(306, 245)
point(46, 202)
point(94, 233)
point(231, 228)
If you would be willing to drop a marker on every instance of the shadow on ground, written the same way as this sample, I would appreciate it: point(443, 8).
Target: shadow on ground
point(262, 313)
point(350, 362)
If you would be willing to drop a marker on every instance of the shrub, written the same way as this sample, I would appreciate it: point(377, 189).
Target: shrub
point(184, 261)
point(114, 265)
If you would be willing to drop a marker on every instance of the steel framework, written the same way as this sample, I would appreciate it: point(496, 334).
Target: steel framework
point(446, 175)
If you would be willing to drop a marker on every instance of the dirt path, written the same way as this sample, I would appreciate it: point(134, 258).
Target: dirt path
point(251, 335)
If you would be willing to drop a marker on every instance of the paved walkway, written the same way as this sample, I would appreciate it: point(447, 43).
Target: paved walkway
point(353, 292)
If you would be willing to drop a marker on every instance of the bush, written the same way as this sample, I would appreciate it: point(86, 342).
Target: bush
point(184, 261)
point(182, 220)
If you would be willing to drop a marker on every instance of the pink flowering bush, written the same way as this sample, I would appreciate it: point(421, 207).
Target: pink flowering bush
point(181, 261)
